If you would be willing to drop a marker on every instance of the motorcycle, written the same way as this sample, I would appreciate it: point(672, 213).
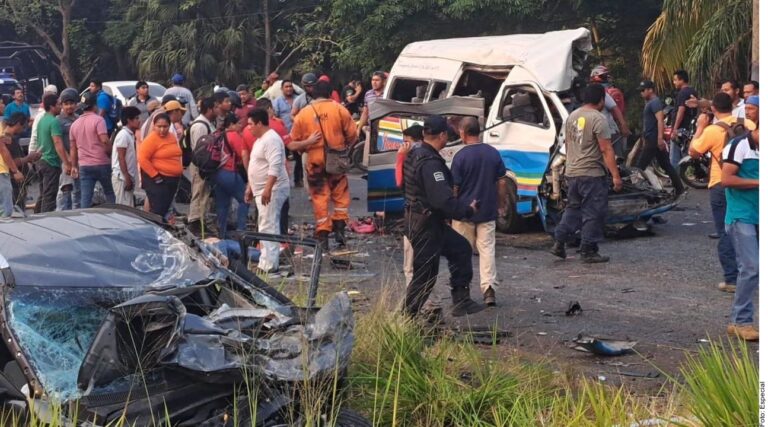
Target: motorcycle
point(693, 172)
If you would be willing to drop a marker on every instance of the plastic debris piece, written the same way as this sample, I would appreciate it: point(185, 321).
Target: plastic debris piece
point(603, 346)
point(601, 377)
point(541, 333)
point(574, 308)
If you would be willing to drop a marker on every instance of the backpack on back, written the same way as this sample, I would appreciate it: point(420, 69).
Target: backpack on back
point(186, 142)
point(734, 130)
point(209, 154)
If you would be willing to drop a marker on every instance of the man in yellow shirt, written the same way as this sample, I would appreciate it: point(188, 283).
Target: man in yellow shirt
point(13, 125)
point(712, 138)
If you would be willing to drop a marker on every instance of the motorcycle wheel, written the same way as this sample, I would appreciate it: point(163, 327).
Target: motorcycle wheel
point(358, 156)
point(694, 174)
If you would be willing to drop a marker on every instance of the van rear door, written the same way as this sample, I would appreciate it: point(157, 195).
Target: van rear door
point(521, 127)
point(390, 118)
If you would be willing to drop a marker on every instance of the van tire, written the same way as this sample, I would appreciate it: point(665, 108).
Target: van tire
point(510, 222)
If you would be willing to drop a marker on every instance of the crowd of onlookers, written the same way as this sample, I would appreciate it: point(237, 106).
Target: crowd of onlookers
point(78, 142)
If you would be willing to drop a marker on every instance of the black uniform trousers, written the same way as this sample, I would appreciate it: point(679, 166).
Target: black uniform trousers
point(651, 151)
point(432, 238)
point(586, 210)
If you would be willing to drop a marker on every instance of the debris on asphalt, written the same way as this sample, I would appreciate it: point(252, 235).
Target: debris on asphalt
point(703, 340)
point(687, 224)
point(601, 378)
point(558, 287)
point(541, 333)
point(627, 290)
point(574, 308)
point(603, 346)
point(649, 375)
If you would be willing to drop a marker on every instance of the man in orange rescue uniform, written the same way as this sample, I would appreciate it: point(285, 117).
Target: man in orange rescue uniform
point(325, 123)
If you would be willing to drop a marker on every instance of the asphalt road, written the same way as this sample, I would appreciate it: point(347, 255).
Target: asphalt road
point(658, 290)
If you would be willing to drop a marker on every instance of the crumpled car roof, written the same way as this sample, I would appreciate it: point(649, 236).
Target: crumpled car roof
point(96, 248)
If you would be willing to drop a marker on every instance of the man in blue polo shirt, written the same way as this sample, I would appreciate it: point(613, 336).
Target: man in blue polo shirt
point(104, 104)
point(741, 179)
point(18, 105)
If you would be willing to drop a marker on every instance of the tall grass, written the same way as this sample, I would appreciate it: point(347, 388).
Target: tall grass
point(721, 385)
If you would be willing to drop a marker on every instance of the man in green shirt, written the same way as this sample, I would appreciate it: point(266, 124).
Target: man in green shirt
point(54, 157)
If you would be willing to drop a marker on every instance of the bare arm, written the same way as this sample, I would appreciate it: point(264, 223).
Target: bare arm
point(660, 129)
point(75, 169)
point(105, 140)
point(124, 168)
point(58, 144)
point(616, 113)
point(678, 120)
point(304, 144)
point(609, 157)
point(730, 179)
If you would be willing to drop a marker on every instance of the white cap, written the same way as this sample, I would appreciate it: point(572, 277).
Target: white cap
point(52, 89)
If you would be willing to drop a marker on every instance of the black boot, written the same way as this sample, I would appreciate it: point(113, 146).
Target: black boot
point(338, 231)
point(322, 240)
point(558, 249)
point(591, 255)
point(462, 303)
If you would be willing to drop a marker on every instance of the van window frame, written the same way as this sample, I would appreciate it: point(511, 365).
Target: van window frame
point(411, 79)
point(548, 121)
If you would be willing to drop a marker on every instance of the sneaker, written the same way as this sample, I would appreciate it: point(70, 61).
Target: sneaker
point(727, 287)
point(745, 332)
point(489, 297)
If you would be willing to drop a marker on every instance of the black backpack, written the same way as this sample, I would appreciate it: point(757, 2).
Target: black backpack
point(186, 142)
point(209, 154)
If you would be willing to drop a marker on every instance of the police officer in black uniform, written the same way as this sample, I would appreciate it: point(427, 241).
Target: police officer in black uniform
point(429, 202)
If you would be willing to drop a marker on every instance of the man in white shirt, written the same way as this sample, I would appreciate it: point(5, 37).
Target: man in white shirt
point(268, 183)
point(203, 125)
point(50, 89)
point(125, 168)
point(733, 89)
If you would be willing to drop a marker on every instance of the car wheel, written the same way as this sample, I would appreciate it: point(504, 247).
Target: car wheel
point(509, 221)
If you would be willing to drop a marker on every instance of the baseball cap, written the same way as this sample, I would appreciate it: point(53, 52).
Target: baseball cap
point(414, 131)
point(178, 79)
point(241, 88)
point(89, 100)
point(753, 100)
point(173, 106)
point(51, 89)
point(435, 125)
point(646, 84)
point(324, 78)
point(309, 79)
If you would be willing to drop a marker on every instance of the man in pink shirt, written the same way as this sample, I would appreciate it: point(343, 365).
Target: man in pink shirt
point(90, 151)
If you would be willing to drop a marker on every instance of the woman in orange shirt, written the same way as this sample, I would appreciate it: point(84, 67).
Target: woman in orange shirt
point(161, 166)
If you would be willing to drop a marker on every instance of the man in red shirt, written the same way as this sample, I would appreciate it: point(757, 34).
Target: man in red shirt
point(248, 104)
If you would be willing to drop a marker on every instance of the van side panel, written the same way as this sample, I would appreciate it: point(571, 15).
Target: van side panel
point(528, 167)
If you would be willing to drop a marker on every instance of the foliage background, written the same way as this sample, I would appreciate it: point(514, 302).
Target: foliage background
point(223, 41)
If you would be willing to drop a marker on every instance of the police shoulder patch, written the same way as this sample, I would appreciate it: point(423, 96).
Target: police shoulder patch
point(439, 176)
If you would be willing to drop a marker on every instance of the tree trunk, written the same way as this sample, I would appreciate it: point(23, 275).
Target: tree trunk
point(756, 40)
point(67, 73)
point(267, 38)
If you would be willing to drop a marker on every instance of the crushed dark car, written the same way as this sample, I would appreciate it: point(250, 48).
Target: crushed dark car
point(114, 315)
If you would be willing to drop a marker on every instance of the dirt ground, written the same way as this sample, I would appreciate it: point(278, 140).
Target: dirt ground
point(658, 290)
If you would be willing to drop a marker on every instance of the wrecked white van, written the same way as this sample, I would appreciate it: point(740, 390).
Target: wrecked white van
point(526, 84)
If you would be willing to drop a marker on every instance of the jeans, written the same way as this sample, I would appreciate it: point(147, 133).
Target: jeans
point(69, 199)
point(725, 250)
point(49, 185)
point(89, 175)
point(6, 195)
point(746, 245)
point(482, 236)
point(269, 222)
point(229, 185)
point(650, 151)
point(586, 210)
point(675, 154)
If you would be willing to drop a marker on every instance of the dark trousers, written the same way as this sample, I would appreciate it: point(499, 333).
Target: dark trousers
point(651, 151)
point(160, 195)
point(284, 217)
point(725, 251)
point(298, 169)
point(586, 210)
point(49, 185)
point(431, 239)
